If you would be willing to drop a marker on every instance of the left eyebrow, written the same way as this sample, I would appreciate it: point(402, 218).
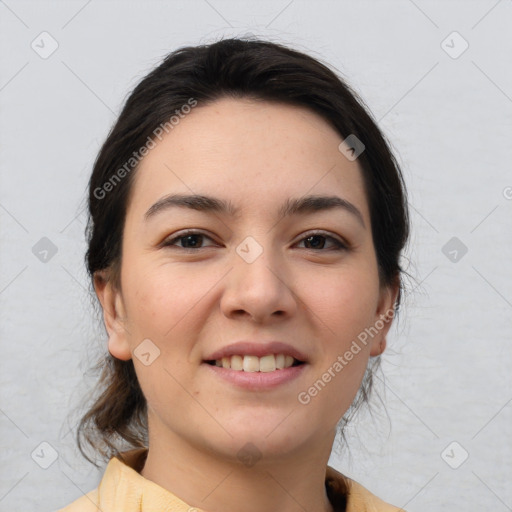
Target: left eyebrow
point(296, 206)
point(308, 204)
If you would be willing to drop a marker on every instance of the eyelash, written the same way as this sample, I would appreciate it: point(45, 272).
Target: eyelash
point(340, 246)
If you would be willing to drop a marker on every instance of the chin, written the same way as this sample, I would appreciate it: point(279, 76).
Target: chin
point(269, 438)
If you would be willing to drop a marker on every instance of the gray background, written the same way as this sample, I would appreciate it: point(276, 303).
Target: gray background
point(448, 115)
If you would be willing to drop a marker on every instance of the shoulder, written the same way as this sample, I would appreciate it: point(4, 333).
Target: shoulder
point(359, 495)
point(358, 498)
point(119, 487)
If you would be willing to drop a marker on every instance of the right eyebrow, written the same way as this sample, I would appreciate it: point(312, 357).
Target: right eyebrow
point(193, 202)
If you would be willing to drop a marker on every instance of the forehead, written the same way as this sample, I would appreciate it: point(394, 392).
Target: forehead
point(251, 152)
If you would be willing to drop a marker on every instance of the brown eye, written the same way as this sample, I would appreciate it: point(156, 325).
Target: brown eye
point(188, 240)
point(191, 241)
point(317, 241)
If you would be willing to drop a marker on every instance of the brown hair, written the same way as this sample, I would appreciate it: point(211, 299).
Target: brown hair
point(236, 68)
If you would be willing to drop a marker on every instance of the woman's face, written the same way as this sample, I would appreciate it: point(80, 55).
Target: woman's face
point(249, 284)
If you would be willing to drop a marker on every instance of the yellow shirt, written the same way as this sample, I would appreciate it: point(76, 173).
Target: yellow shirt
point(124, 489)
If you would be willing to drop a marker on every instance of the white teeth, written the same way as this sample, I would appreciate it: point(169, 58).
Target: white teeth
point(268, 363)
point(251, 364)
point(237, 362)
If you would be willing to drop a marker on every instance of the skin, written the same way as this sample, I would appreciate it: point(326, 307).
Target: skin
point(257, 155)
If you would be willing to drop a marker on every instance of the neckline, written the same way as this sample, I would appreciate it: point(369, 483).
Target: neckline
point(336, 484)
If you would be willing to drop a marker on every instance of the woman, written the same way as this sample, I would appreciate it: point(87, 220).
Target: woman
point(246, 223)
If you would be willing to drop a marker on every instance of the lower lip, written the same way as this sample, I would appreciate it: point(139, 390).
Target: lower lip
point(257, 381)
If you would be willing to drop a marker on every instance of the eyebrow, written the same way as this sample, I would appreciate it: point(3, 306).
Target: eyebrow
point(296, 206)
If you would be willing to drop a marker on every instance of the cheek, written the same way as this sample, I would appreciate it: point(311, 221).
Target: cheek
point(345, 301)
point(343, 312)
point(162, 299)
point(343, 305)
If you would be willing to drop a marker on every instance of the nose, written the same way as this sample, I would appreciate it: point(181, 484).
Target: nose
point(259, 290)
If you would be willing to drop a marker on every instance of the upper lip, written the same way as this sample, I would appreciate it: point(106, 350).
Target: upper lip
point(256, 348)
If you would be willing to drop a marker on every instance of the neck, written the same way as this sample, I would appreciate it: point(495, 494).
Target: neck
point(202, 479)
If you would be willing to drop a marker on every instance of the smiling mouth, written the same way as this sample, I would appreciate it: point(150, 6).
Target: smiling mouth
point(248, 363)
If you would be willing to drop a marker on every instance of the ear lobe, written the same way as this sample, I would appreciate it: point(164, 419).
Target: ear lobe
point(384, 317)
point(113, 316)
point(377, 350)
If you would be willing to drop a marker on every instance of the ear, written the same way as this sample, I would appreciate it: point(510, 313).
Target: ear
point(384, 317)
point(113, 316)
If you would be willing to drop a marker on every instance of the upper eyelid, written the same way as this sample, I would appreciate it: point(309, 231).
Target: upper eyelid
point(185, 233)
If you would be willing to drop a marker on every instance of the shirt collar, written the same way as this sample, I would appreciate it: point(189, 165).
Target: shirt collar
point(123, 488)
